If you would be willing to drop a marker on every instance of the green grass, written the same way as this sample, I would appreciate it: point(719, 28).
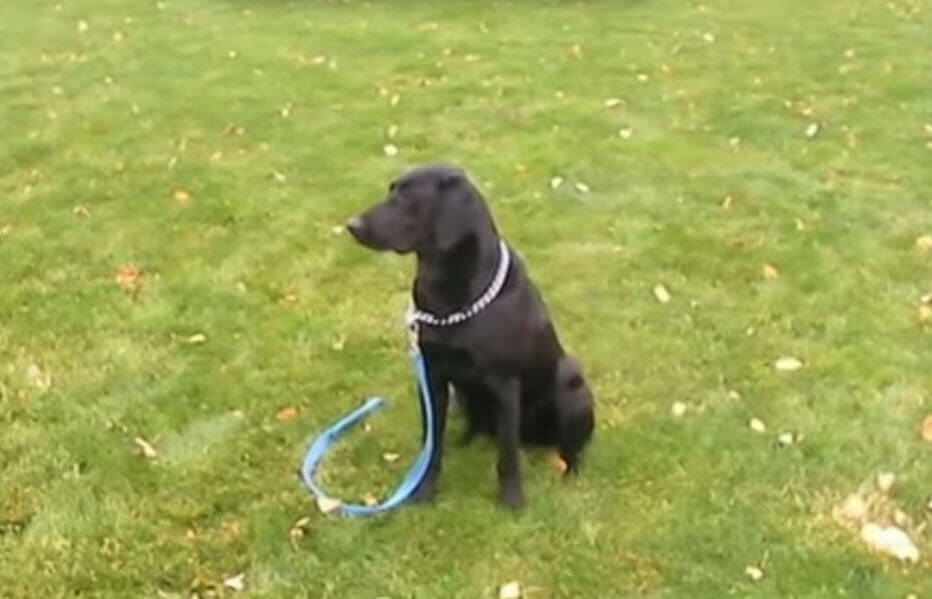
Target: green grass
point(101, 128)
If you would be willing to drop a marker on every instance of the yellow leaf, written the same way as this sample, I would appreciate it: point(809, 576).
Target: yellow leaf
point(770, 272)
point(147, 449)
point(327, 504)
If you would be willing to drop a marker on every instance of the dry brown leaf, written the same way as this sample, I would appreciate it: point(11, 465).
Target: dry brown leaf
point(147, 449)
point(129, 277)
point(770, 272)
point(286, 414)
point(554, 459)
point(927, 428)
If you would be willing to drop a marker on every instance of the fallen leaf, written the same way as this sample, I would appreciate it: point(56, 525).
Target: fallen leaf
point(391, 132)
point(338, 343)
point(787, 438)
point(754, 573)
point(612, 102)
point(812, 130)
point(337, 229)
point(924, 243)
point(370, 499)
point(512, 590)
point(625, 132)
point(770, 272)
point(788, 364)
point(556, 182)
point(678, 409)
point(726, 203)
point(854, 507)
point(147, 449)
point(900, 518)
point(82, 26)
point(661, 293)
point(327, 505)
point(890, 540)
point(236, 583)
point(554, 459)
point(279, 177)
point(390, 457)
point(181, 196)
point(196, 339)
point(582, 187)
point(709, 37)
point(757, 425)
point(885, 481)
point(285, 111)
point(38, 379)
point(286, 414)
point(129, 277)
point(390, 149)
point(734, 141)
point(927, 428)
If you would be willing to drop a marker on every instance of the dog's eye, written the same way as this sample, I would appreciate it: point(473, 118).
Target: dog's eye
point(575, 382)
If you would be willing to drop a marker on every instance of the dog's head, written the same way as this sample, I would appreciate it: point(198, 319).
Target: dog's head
point(428, 209)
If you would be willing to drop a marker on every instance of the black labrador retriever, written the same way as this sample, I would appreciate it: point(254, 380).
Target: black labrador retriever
point(483, 327)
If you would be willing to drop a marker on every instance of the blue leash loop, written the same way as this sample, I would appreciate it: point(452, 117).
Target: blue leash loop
point(416, 472)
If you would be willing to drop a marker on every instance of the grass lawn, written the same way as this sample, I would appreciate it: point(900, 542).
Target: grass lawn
point(172, 176)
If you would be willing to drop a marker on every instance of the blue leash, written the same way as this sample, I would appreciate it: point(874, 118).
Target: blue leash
point(416, 473)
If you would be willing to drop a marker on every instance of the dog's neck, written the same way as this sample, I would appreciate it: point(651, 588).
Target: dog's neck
point(450, 280)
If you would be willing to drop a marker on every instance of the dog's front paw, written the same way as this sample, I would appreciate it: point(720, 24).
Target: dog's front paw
point(511, 496)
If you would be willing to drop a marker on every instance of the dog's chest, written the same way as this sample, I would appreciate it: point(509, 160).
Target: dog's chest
point(454, 363)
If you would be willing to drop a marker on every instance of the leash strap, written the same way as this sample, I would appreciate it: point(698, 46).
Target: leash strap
point(416, 472)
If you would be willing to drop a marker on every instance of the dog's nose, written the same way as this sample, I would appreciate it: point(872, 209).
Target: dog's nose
point(355, 226)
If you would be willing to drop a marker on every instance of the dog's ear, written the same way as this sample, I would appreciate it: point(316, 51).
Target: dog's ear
point(454, 214)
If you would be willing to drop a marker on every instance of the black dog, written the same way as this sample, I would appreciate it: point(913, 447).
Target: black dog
point(484, 328)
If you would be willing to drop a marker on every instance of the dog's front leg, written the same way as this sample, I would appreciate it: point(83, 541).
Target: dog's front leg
point(508, 432)
point(440, 398)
